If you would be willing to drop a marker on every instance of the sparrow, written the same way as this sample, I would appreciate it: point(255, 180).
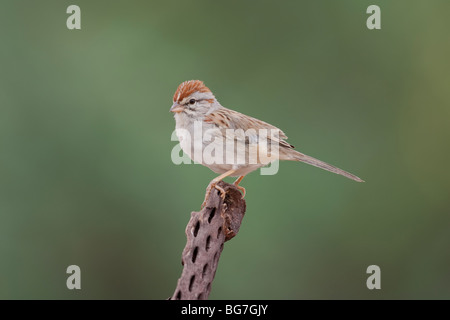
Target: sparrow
point(195, 106)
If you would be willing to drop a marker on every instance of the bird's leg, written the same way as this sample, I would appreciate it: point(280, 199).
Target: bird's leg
point(236, 184)
point(213, 184)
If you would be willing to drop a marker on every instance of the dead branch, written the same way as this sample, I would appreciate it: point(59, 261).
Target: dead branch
point(206, 233)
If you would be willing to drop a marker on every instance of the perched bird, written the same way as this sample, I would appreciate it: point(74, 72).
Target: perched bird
point(195, 106)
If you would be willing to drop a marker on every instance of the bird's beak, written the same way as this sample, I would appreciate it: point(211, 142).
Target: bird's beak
point(176, 108)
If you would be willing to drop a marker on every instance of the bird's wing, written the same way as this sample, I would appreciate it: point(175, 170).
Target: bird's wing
point(229, 119)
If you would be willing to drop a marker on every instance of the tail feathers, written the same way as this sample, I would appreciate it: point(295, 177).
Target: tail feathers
point(323, 165)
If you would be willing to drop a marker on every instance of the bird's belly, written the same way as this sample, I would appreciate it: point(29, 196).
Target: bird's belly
point(217, 154)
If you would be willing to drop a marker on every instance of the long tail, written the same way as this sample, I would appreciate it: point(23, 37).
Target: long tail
point(323, 165)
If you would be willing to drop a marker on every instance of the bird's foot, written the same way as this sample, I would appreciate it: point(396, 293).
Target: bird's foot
point(242, 189)
point(236, 184)
point(213, 185)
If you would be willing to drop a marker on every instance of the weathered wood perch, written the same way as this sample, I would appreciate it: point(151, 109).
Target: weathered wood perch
point(206, 232)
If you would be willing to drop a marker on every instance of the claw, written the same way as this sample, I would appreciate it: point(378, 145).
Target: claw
point(236, 184)
point(242, 189)
point(213, 184)
point(222, 191)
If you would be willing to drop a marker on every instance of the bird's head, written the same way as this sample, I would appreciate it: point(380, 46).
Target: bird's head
point(193, 98)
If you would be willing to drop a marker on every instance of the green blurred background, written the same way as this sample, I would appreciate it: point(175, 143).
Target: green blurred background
point(86, 176)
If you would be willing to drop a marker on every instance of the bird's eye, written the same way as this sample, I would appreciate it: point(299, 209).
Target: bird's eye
point(192, 101)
